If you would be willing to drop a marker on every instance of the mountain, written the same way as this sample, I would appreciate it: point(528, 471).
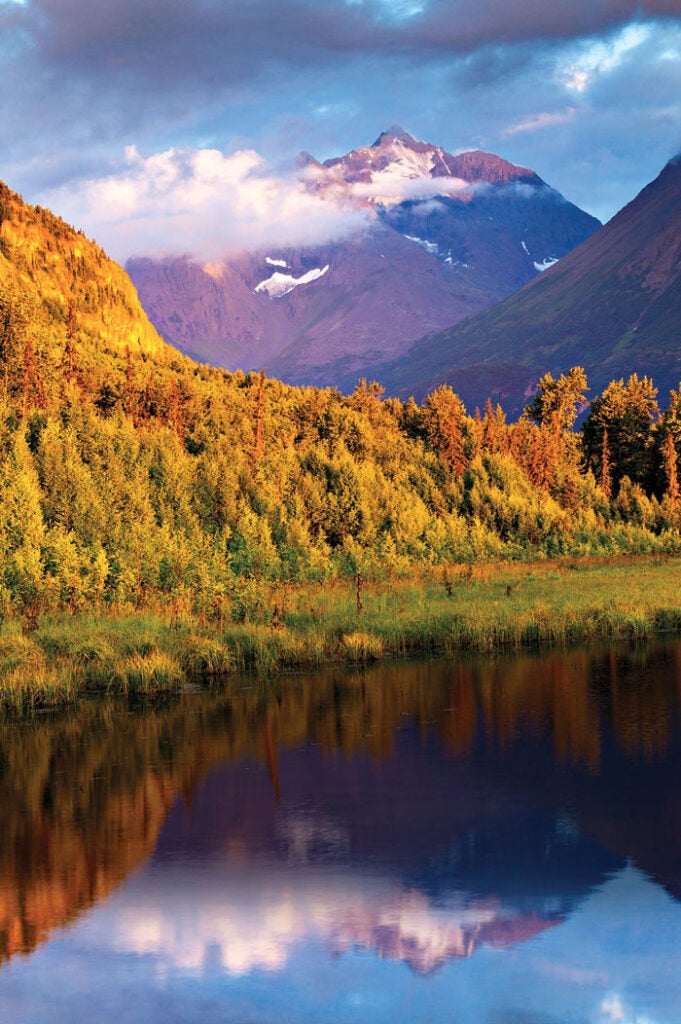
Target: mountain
point(57, 282)
point(613, 305)
point(444, 236)
point(132, 477)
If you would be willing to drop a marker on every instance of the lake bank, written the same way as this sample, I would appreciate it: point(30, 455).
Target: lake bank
point(488, 608)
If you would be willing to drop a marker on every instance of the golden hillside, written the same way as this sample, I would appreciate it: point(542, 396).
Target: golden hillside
point(67, 282)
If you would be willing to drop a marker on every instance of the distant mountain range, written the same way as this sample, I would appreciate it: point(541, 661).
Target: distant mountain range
point(613, 305)
point(445, 237)
point(388, 303)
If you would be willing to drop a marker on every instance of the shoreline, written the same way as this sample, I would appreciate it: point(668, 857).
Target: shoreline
point(487, 608)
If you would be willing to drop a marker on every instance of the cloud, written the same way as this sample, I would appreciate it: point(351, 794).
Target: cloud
point(539, 121)
point(151, 37)
point(598, 57)
point(327, 75)
point(395, 187)
point(208, 204)
point(613, 1012)
point(218, 50)
point(202, 202)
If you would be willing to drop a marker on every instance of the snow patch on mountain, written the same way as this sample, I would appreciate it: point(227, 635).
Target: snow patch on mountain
point(276, 263)
point(407, 163)
point(545, 264)
point(456, 263)
point(525, 248)
point(430, 247)
point(279, 284)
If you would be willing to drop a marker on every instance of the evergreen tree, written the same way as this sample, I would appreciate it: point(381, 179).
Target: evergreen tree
point(628, 413)
point(671, 470)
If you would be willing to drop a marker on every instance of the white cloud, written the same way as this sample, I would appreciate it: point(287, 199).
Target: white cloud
point(613, 1011)
point(393, 186)
point(202, 202)
point(599, 57)
point(540, 121)
point(397, 10)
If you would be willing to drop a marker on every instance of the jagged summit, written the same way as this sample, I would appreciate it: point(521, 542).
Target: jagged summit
point(398, 155)
point(394, 132)
point(305, 159)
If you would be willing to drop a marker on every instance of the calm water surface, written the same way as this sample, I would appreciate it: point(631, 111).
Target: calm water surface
point(495, 842)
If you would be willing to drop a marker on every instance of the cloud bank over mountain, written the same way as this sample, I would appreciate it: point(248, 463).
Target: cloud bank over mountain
point(585, 92)
point(203, 203)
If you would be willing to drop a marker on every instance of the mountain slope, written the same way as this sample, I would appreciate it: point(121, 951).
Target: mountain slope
point(444, 237)
point(57, 279)
point(138, 478)
point(613, 305)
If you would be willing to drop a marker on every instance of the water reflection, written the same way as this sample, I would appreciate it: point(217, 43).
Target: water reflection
point(248, 918)
point(423, 815)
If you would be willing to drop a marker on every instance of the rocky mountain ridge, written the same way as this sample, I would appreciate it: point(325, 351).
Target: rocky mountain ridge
point(445, 236)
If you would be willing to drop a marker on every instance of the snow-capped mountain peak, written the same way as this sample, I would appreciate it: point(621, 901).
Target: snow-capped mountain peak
point(438, 236)
point(398, 167)
point(394, 152)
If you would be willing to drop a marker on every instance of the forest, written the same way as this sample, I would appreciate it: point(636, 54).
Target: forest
point(132, 478)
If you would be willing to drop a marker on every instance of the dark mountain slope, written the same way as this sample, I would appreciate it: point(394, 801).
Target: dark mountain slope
point(613, 305)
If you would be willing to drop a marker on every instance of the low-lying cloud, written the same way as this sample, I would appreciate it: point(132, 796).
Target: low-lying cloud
point(203, 203)
point(391, 186)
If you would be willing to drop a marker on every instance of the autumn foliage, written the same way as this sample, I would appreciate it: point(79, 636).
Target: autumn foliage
point(130, 474)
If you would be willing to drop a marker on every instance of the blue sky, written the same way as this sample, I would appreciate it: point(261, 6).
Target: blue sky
point(588, 94)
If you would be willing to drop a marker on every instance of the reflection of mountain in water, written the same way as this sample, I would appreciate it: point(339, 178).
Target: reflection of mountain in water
point(254, 916)
point(459, 804)
point(420, 858)
point(425, 938)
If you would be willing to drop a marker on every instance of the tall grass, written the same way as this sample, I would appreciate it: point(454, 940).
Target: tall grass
point(485, 608)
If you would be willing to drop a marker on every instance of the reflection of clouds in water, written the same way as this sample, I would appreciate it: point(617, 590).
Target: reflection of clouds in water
point(247, 920)
point(613, 1011)
point(189, 945)
point(205, 945)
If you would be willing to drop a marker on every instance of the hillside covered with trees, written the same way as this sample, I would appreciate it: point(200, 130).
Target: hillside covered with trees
point(131, 475)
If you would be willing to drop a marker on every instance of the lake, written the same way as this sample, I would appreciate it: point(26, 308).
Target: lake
point(488, 841)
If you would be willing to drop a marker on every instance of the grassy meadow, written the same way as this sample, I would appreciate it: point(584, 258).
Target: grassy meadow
point(273, 628)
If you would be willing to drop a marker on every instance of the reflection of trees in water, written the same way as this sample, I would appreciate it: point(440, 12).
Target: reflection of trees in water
point(83, 796)
point(642, 711)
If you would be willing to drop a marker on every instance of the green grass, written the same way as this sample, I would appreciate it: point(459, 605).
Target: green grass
point(487, 608)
